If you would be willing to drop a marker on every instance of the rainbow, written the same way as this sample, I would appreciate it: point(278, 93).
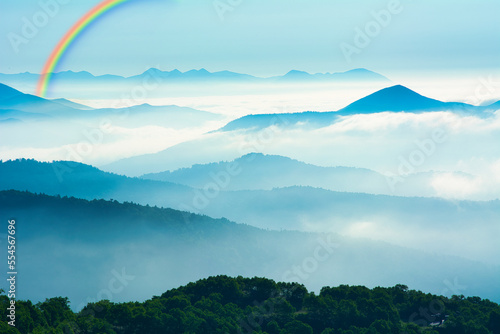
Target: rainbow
point(68, 38)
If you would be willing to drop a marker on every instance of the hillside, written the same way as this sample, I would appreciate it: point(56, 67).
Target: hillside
point(18, 105)
point(420, 223)
point(85, 242)
point(257, 171)
point(223, 304)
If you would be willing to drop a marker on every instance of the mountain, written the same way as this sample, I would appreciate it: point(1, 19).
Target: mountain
point(7, 93)
point(256, 171)
point(76, 179)
point(10, 121)
point(11, 98)
point(495, 105)
point(359, 74)
point(171, 116)
point(84, 76)
point(195, 75)
point(124, 251)
point(308, 119)
point(429, 224)
point(72, 104)
point(23, 79)
point(392, 99)
point(296, 75)
point(64, 76)
point(398, 99)
point(6, 114)
point(30, 107)
point(156, 83)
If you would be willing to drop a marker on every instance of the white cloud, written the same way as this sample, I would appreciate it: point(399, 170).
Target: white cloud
point(450, 185)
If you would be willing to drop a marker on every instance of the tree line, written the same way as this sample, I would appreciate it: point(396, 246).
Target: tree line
point(225, 304)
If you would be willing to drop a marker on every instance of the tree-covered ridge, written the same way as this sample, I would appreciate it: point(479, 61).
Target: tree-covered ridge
point(257, 305)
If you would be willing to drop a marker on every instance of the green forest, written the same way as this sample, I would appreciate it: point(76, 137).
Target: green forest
point(224, 304)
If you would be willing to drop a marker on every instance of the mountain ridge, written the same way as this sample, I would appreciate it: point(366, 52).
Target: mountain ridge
point(30, 107)
point(257, 171)
point(165, 247)
point(397, 98)
point(301, 208)
point(354, 74)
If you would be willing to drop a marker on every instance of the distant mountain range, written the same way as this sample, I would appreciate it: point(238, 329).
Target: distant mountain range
point(392, 99)
point(196, 75)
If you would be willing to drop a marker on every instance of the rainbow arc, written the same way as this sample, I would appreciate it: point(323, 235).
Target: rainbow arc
point(68, 38)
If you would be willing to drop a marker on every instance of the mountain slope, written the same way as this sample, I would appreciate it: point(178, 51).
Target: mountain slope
point(7, 93)
point(138, 115)
point(256, 171)
point(71, 104)
point(11, 98)
point(495, 105)
point(88, 243)
point(396, 99)
point(21, 115)
point(422, 223)
point(75, 179)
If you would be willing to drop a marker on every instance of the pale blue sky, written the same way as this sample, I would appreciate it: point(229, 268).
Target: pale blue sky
point(260, 37)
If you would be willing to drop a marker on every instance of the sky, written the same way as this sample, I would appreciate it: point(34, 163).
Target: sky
point(261, 37)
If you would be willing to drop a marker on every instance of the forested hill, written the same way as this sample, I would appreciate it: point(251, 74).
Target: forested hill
point(257, 305)
point(86, 241)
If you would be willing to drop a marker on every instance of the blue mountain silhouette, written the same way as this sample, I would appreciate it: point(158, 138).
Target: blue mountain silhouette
point(392, 99)
point(396, 99)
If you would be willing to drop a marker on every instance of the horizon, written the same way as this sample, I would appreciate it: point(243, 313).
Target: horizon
point(193, 69)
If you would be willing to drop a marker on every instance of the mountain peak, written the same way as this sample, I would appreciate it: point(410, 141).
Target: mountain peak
point(251, 156)
point(297, 73)
point(395, 98)
point(153, 70)
point(359, 70)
